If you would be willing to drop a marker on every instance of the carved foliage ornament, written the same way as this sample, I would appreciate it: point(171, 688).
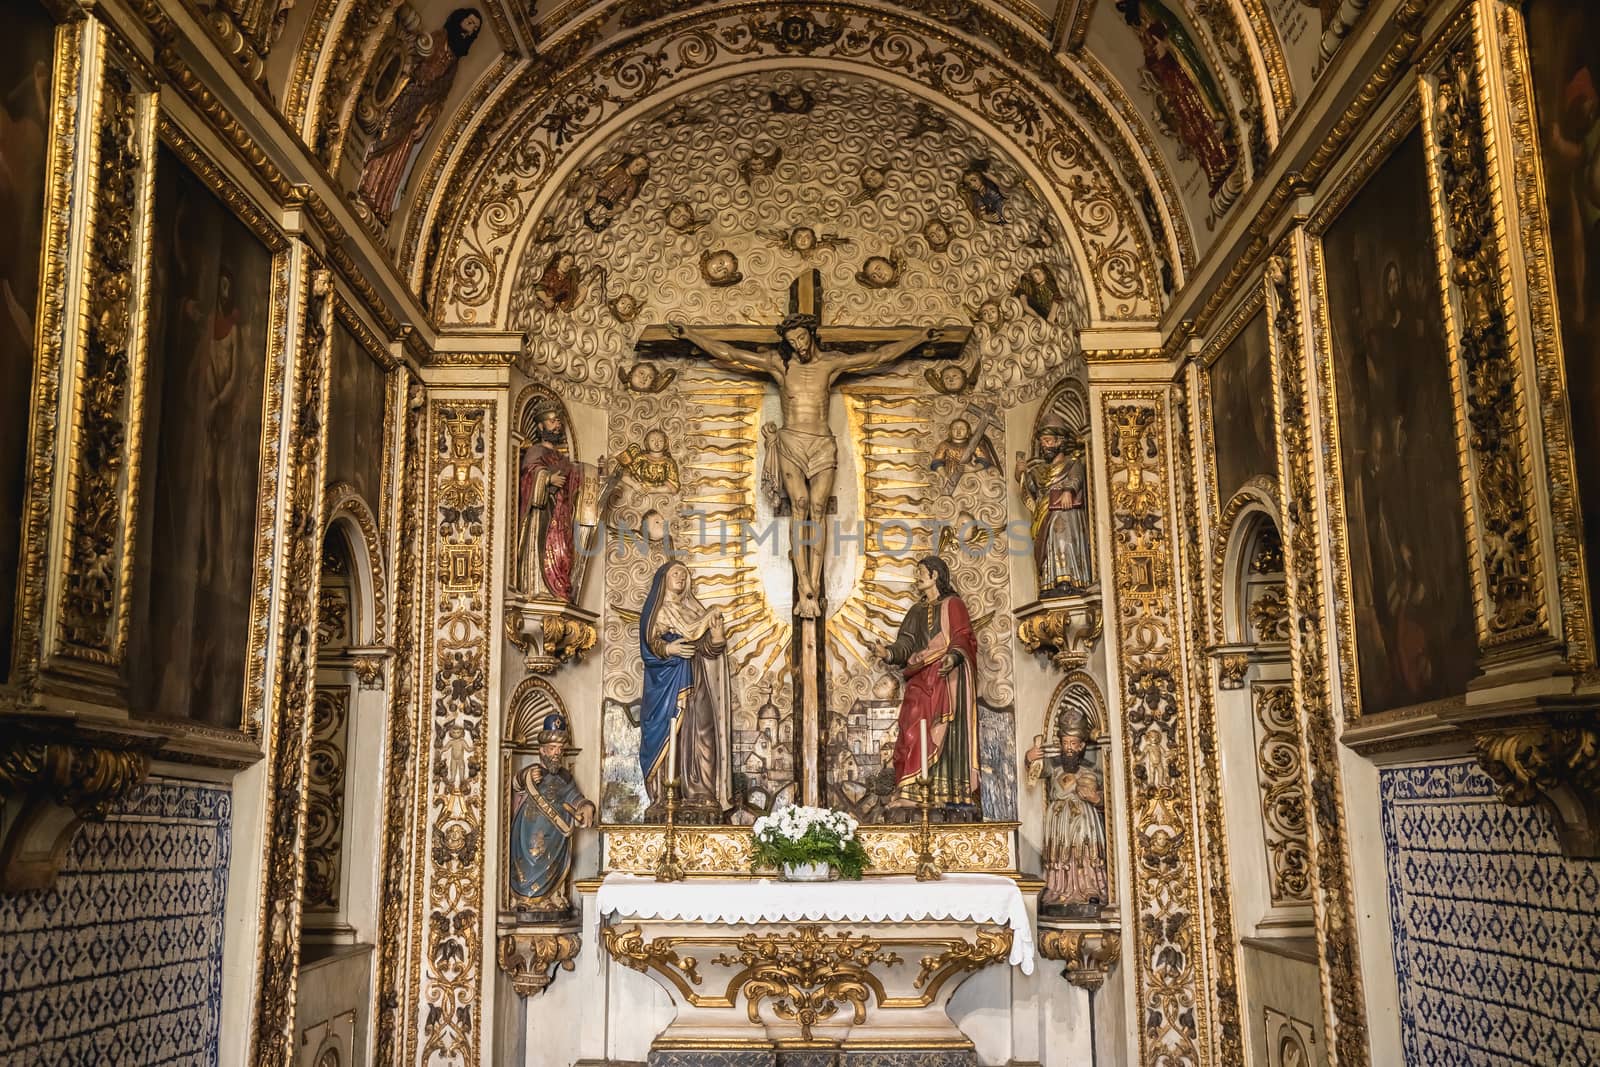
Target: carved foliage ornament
point(57, 784)
point(1489, 369)
point(529, 958)
point(1312, 678)
point(461, 471)
point(283, 862)
point(397, 861)
point(1280, 771)
point(1066, 633)
point(1088, 955)
point(476, 231)
point(1165, 880)
point(1556, 765)
point(93, 610)
point(808, 975)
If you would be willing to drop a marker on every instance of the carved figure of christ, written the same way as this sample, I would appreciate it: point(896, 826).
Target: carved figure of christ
point(807, 452)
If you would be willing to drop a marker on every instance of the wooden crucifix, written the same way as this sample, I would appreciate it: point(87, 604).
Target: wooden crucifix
point(805, 359)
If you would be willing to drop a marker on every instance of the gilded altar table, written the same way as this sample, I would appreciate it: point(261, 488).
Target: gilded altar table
point(859, 967)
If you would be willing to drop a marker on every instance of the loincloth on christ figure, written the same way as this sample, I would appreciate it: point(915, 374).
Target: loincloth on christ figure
point(808, 453)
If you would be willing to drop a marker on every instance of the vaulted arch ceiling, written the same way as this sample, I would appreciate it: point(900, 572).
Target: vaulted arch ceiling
point(1145, 121)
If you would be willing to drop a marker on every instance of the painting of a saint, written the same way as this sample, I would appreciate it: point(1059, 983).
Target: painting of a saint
point(1241, 410)
point(1402, 481)
point(211, 301)
point(548, 484)
point(937, 653)
point(686, 711)
point(1189, 102)
point(546, 809)
point(429, 73)
point(1564, 47)
point(27, 44)
point(356, 401)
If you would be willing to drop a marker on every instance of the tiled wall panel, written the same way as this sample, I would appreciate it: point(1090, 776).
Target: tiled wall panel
point(120, 962)
point(1497, 934)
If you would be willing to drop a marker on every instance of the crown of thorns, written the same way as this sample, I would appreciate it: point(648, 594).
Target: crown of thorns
point(798, 321)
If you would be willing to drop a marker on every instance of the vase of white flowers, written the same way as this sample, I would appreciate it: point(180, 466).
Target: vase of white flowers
point(808, 844)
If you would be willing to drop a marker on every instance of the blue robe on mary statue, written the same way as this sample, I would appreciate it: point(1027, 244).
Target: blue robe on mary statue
point(689, 692)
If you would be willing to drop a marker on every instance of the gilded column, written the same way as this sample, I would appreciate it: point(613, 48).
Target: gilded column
point(1167, 959)
point(77, 587)
point(399, 855)
point(444, 1022)
point(1518, 618)
point(288, 737)
point(1310, 620)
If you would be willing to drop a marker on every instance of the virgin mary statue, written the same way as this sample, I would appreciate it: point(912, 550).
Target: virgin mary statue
point(687, 702)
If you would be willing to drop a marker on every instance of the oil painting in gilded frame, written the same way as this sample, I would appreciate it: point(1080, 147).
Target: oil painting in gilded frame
point(210, 325)
point(358, 397)
point(1406, 535)
point(27, 58)
point(1243, 431)
point(1564, 53)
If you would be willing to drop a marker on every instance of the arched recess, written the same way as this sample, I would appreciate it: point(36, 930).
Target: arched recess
point(1067, 569)
point(339, 898)
point(1106, 188)
point(1075, 789)
point(1264, 779)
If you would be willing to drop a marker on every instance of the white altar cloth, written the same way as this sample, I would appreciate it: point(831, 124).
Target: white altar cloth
point(984, 898)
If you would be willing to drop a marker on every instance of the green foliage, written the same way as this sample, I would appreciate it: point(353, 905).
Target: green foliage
point(819, 845)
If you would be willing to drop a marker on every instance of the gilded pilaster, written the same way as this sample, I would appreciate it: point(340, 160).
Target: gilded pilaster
point(1206, 767)
point(1310, 620)
point(70, 84)
point(1168, 960)
point(1512, 107)
point(444, 1014)
point(289, 737)
point(1505, 539)
point(402, 769)
point(86, 629)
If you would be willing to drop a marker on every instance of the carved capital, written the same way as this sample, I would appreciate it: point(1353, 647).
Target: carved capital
point(1555, 764)
point(530, 957)
point(1088, 954)
point(1066, 630)
point(549, 633)
point(59, 784)
point(368, 666)
point(1231, 669)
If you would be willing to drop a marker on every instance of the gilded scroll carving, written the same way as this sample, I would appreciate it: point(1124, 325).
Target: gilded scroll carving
point(1490, 373)
point(92, 621)
point(1167, 980)
point(530, 957)
point(397, 862)
point(1280, 772)
point(1555, 764)
point(452, 801)
point(283, 861)
point(1088, 955)
point(972, 848)
point(1333, 895)
point(808, 975)
point(330, 717)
